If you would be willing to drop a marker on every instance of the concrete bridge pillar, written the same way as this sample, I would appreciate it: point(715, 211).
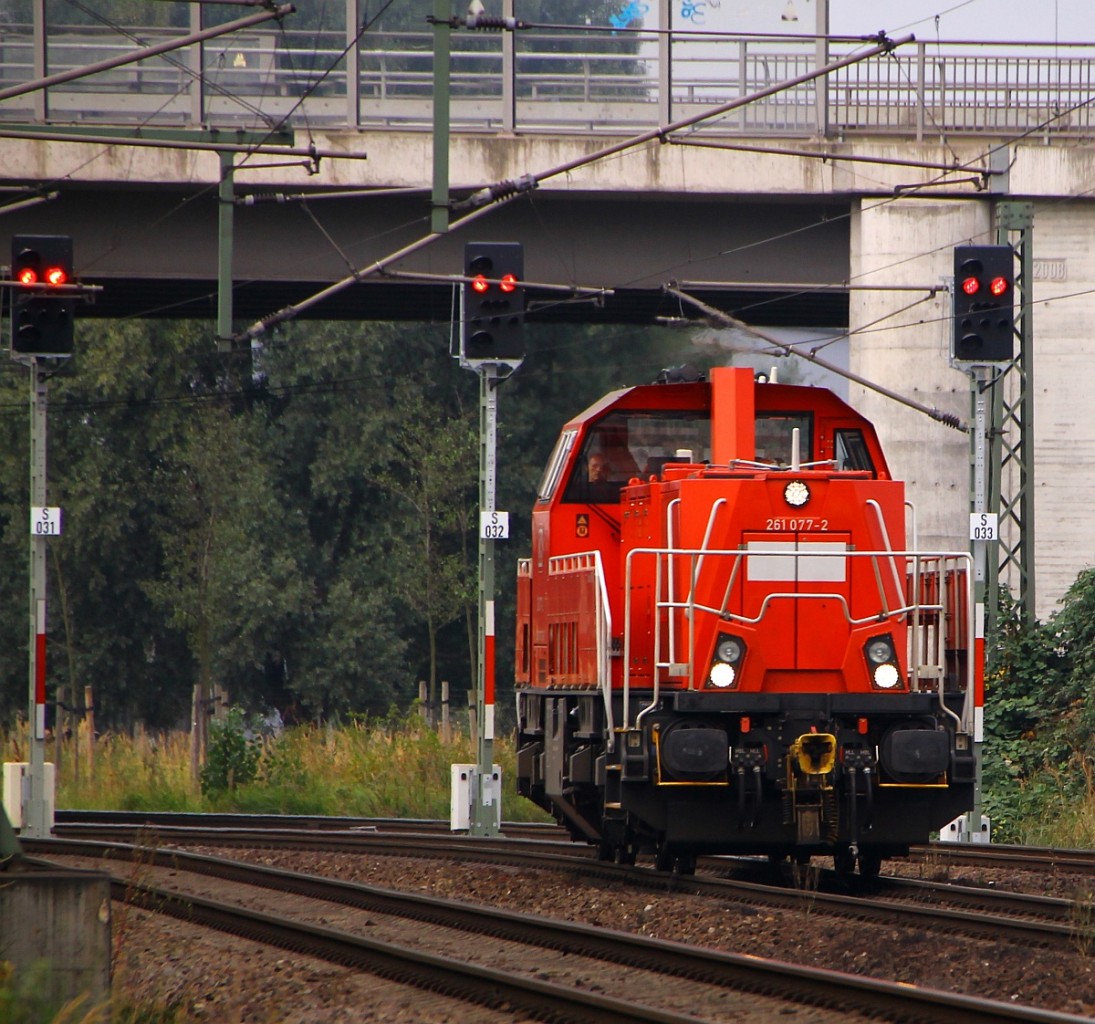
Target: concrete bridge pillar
point(901, 339)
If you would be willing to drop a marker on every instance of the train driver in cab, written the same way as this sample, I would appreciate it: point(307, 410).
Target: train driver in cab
point(598, 469)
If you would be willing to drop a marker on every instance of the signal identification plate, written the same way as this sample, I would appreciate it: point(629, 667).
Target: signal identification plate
point(984, 526)
point(494, 525)
point(45, 521)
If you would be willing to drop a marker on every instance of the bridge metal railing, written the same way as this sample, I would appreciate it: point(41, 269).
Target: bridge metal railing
point(541, 81)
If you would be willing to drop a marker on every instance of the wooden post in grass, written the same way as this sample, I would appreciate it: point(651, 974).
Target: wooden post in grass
point(197, 725)
point(75, 719)
point(59, 727)
point(89, 706)
point(446, 734)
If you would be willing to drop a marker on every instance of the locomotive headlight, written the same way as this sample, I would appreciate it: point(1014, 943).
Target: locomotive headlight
point(729, 650)
point(885, 676)
point(796, 494)
point(882, 662)
point(722, 675)
point(726, 665)
point(880, 650)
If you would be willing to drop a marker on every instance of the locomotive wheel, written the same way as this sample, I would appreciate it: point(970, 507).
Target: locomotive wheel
point(686, 863)
point(618, 853)
point(680, 862)
point(843, 862)
point(870, 863)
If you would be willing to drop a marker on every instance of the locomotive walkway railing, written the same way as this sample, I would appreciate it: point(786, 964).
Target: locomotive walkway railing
point(588, 595)
point(551, 82)
point(930, 599)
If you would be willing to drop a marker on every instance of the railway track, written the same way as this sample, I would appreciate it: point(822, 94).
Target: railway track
point(1013, 857)
point(1033, 857)
point(999, 916)
point(595, 975)
point(292, 822)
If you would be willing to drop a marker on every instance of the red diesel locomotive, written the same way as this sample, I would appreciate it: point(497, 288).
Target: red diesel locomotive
point(726, 640)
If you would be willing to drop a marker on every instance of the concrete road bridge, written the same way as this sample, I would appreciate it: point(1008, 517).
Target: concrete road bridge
point(832, 205)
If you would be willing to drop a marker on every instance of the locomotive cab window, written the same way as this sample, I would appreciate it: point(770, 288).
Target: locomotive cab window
point(773, 437)
point(850, 450)
point(623, 446)
point(550, 480)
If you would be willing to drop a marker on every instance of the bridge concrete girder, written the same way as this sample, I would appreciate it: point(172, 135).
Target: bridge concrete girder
point(152, 241)
point(145, 226)
point(144, 220)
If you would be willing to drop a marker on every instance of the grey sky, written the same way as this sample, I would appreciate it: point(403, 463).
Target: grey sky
point(1016, 20)
point(1012, 20)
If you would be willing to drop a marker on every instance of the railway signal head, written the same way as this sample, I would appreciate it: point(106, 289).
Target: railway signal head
point(984, 303)
point(493, 311)
point(41, 316)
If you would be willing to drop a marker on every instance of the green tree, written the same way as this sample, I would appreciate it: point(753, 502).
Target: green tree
point(229, 579)
point(108, 436)
point(354, 432)
point(431, 474)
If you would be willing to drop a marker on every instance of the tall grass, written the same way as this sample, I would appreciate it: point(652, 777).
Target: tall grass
point(380, 768)
point(1063, 812)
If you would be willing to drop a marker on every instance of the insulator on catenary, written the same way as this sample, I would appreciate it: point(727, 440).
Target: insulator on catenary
point(484, 21)
point(493, 193)
point(950, 420)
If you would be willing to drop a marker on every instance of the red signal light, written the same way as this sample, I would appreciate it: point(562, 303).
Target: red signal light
point(479, 284)
point(27, 275)
point(56, 276)
point(971, 285)
point(508, 283)
point(998, 286)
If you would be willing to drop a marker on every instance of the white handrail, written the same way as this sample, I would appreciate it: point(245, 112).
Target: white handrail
point(942, 563)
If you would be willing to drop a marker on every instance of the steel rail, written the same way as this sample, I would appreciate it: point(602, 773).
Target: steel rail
point(956, 894)
point(286, 822)
point(1033, 857)
point(766, 977)
point(396, 843)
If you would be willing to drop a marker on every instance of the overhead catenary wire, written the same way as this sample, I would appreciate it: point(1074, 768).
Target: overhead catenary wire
point(726, 320)
point(506, 191)
point(661, 133)
point(260, 327)
point(301, 198)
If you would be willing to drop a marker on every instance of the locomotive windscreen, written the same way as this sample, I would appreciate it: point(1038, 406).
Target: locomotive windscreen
point(630, 444)
point(773, 437)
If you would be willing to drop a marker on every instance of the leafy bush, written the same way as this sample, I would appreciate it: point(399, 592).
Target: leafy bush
point(1039, 717)
point(233, 754)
